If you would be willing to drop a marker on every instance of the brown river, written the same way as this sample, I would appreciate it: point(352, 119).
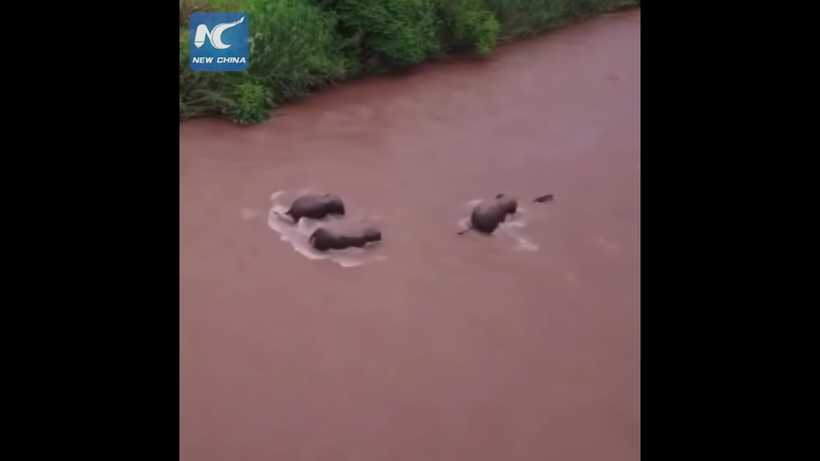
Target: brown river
point(436, 347)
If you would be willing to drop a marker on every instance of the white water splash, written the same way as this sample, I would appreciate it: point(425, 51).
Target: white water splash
point(513, 230)
point(510, 232)
point(297, 235)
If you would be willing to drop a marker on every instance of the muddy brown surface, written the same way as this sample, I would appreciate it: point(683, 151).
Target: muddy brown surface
point(454, 347)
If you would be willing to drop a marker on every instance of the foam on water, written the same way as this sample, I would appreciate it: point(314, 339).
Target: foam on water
point(510, 232)
point(297, 235)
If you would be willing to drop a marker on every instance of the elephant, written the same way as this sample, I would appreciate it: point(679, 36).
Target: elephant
point(487, 215)
point(356, 235)
point(316, 206)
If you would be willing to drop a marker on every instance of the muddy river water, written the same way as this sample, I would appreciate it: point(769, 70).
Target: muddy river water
point(521, 346)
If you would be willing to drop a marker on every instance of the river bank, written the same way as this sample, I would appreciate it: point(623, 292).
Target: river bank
point(299, 46)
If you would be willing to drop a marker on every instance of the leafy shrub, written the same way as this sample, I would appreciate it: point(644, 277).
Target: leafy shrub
point(294, 47)
point(398, 33)
point(469, 24)
point(250, 103)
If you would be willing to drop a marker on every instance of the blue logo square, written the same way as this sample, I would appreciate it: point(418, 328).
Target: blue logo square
point(219, 42)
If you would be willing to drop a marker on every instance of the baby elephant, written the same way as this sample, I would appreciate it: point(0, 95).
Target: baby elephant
point(488, 214)
point(355, 235)
point(316, 206)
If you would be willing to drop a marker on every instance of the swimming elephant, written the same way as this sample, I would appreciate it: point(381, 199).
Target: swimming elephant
point(353, 235)
point(316, 206)
point(487, 215)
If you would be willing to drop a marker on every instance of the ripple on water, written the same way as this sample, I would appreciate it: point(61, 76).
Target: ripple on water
point(510, 232)
point(297, 235)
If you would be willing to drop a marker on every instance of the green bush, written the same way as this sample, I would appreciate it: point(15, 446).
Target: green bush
point(468, 24)
point(297, 46)
point(398, 33)
point(251, 101)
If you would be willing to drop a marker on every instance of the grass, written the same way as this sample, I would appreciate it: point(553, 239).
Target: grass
point(298, 46)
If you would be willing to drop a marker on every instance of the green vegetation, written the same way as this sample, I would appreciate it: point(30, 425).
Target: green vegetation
point(298, 46)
